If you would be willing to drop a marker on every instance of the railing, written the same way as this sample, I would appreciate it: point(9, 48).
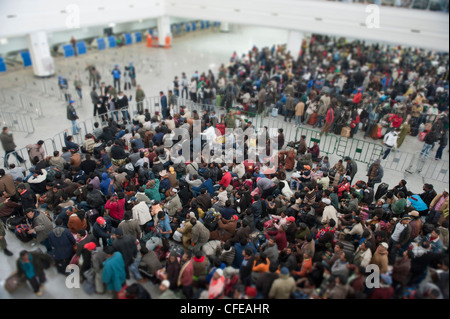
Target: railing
point(411, 163)
point(17, 122)
point(21, 102)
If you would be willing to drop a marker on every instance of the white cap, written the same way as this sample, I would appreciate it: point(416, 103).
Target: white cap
point(385, 245)
point(166, 283)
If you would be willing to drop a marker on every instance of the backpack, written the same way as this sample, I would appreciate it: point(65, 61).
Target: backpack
point(21, 233)
point(210, 221)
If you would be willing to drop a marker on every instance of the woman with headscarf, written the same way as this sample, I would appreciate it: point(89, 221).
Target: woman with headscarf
point(216, 285)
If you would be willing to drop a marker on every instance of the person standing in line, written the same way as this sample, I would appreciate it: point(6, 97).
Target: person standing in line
point(127, 79)
point(184, 85)
point(9, 146)
point(140, 96)
point(328, 121)
point(78, 85)
point(116, 77)
point(73, 117)
point(176, 87)
point(90, 68)
point(64, 87)
point(132, 71)
point(164, 108)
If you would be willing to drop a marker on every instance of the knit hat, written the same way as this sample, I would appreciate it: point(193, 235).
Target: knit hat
point(219, 271)
point(284, 271)
point(291, 219)
point(251, 292)
point(118, 231)
point(385, 245)
point(90, 246)
point(166, 283)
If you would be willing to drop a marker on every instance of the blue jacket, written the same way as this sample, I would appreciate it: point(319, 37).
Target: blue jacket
point(417, 202)
point(114, 272)
point(164, 102)
point(208, 184)
point(238, 257)
point(62, 241)
point(116, 74)
point(70, 145)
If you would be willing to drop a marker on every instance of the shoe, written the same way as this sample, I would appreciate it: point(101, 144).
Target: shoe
point(39, 293)
point(7, 252)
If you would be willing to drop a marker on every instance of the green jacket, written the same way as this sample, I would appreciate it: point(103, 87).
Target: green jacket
point(153, 193)
point(399, 206)
point(140, 95)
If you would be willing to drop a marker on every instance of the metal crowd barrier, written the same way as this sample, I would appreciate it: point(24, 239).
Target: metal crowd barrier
point(17, 122)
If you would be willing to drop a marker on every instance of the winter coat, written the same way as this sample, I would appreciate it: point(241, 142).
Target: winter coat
point(62, 242)
point(126, 245)
point(75, 223)
point(282, 288)
point(7, 141)
point(200, 234)
point(113, 274)
point(226, 230)
point(42, 225)
point(131, 227)
point(151, 262)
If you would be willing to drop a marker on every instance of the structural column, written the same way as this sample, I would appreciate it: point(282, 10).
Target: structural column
point(42, 61)
point(164, 30)
point(294, 43)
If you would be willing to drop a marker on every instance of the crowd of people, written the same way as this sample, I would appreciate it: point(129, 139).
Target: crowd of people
point(130, 212)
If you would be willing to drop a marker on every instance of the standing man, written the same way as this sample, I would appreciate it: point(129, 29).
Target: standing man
point(328, 121)
point(78, 86)
point(140, 96)
point(64, 87)
point(184, 85)
point(91, 69)
point(164, 108)
point(390, 141)
point(9, 146)
point(121, 103)
point(132, 72)
point(176, 87)
point(73, 117)
point(290, 108)
point(116, 77)
point(3, 244)
point(352, 168)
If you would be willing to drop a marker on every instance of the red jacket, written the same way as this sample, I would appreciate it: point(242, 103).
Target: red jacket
point(226, 179)
point(280, 238)
point(357, 98)
point(330, 116)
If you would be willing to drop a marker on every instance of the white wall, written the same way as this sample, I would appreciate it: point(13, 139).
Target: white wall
point(324, 17)
point(51, 15)
point(397, 25)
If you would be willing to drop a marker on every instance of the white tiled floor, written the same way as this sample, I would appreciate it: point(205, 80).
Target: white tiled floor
point(200, 51)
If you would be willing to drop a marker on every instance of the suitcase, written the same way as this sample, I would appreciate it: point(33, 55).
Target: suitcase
point(313, 119)
point(14, 282)
point(381, 190)
point(345, 132)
